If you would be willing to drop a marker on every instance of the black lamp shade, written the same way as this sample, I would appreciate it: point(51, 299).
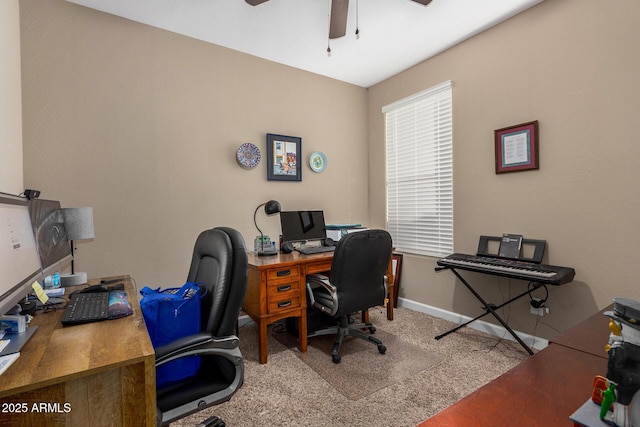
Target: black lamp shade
point(272, 207)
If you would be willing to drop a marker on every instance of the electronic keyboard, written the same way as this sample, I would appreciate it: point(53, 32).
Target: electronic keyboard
point(548, 274)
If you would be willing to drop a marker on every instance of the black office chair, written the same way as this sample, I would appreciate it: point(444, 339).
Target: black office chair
point(219, 264)
point(357, 282)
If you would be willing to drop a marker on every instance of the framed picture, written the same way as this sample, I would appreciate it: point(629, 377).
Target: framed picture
point(284, 154)
point(517, 147)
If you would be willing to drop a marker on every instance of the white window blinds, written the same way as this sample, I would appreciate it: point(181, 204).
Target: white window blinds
point(419, 140)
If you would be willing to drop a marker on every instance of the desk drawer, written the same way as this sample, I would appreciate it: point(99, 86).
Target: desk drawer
point(283, 295)
point(323, 266)
point(290, 301)
point(286, 273)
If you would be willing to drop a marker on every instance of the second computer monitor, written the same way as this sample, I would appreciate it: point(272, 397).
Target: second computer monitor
point(50, 234)
point(300, 226)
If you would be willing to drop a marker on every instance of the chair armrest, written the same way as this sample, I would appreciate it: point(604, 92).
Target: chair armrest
point(319, 280)
point(200, 344)
point(315, 280)
point(188, 341)
point(386, 285)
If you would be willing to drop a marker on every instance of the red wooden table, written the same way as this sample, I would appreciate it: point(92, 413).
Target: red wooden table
point(543, 390)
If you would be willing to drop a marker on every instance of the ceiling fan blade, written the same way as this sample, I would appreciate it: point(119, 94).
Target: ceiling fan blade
point(255, 2)
point(423, 2)
point(338, 24)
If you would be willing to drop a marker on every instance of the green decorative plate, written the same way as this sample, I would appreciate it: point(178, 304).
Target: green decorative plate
point(318, 161)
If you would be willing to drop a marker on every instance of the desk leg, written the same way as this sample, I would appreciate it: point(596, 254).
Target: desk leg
point(391, 290)
point(262, 340)
point(302, 332)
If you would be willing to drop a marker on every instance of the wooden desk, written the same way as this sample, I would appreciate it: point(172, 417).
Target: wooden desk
point(543, 390)
point(276, 289)
point(96, 374)
point(590, 336)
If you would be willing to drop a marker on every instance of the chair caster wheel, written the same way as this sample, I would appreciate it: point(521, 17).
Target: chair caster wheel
point(372, 329)
point(335, 358)
point(382, 349)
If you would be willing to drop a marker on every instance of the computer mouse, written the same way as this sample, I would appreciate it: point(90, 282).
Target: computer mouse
point(287, 247)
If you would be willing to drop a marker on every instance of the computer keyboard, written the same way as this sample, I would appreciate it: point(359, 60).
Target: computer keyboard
point(86, 307)
point(308, 250)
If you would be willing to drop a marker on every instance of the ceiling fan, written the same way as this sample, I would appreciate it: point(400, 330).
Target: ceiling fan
point(339, 9)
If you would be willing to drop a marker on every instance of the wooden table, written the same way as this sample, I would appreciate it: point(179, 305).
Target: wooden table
point(590, 336)
point(276, 289)
point(95, 374)
point(543, 390)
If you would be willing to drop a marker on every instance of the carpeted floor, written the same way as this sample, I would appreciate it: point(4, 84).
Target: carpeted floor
point(363, 370)
point(417, 377)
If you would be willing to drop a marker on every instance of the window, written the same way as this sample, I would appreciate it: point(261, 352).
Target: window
point(419, 141)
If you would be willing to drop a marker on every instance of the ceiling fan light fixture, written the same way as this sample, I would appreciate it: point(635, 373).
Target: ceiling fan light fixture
point(357, 22)
point(338, 10)
point(255, 2)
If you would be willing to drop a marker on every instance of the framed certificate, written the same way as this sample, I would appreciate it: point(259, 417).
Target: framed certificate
point(517, 148)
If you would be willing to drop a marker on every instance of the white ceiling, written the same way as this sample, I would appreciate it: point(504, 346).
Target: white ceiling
point(394, 34)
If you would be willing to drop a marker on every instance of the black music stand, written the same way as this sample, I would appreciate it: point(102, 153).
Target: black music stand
point(490, 308)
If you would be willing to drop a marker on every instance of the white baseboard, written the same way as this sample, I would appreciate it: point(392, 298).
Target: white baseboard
point(479, 325)
point(244, 320)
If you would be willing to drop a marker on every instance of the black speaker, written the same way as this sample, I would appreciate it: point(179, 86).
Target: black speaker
point(287, 247)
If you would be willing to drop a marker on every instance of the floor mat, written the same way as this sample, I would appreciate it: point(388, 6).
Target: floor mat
point(368, 370)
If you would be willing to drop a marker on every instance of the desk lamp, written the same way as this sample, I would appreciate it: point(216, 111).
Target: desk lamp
point(79, 225)
point(271, 207)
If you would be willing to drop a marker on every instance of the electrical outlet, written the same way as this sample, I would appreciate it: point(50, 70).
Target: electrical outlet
point(540, 310)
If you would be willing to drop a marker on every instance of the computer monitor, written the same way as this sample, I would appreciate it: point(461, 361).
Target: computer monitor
point(299, 226)
point(19, 260)
point(51, 237)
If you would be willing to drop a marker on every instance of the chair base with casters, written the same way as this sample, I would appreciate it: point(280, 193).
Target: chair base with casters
point(346, 329)
point(212, 422)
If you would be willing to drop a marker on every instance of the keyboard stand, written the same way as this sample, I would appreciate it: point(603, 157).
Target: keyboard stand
point(489, 308)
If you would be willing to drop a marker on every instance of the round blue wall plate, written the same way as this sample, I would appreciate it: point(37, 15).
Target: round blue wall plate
point(248, 155)
point(318, 161)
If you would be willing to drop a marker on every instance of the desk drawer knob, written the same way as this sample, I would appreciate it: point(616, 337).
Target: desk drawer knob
point(284, 304)
point(283, 273)
point(284, 288)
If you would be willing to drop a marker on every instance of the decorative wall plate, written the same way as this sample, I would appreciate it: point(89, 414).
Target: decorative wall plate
point(318, 161)
point(248, 155)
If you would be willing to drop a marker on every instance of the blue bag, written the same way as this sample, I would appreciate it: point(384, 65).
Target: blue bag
point(171, 314)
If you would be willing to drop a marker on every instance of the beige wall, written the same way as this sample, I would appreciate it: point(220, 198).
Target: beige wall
point(572, 65)
point(143, 124)
point(10, 99)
